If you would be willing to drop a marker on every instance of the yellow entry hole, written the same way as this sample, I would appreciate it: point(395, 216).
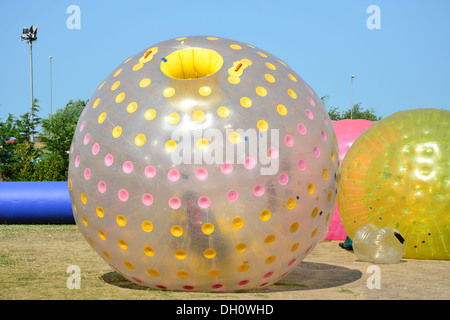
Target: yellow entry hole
point(191, 63)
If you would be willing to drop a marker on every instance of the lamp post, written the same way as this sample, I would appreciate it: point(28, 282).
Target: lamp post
point(30, 35)
point(351, 97)
point(51, 111)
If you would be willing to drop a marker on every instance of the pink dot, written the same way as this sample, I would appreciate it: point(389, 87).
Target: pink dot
point(301, 129)
point(174, 203)
point(324, 135)
point(217, 286)
point(258, 190)
point(87, 173)
point(147, 199)
point(173, 175)
point(302, 164)
point(310, 90)
point(84, 111)
point(150, 171)
point(316, 152)
point(268, 274)
point(109, 159)
point(325, 119)
point(283, 179)
point(123, 195)
point(87, 137)
point(188, 287)
point(311, 101)
point(249, 163)
point(77, 161)
point(101, 186)
point(136, 279)
point(127, 167)
point(291, 262)
point(226, 168)
point(201, 174)
point(72, 147)
point(288, 141)
point(232, 195)
point(273, 153)
point(204, 202)
point(309, 114)
point(82, 126)
point(309, 249)
point(243, 282)
point(95, 149)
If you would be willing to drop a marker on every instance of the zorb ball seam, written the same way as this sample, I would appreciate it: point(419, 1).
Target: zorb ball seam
point(204, 164)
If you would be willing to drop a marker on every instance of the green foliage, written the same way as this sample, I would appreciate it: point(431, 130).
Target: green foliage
point(51, 167)
point(356, 112)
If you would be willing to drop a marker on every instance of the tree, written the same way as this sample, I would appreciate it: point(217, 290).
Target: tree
point(354, 113)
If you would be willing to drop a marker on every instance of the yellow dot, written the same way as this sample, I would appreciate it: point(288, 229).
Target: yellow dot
point(106, 254)
point(147, 226)
point(213, 273)
point(234, 137)
point(265, 215)
point(269, 239)
point(237, 223)
point(310, 188)
point(176, 231)
point(262, 125)
point(153, 272)
point(173, 118)
point(101, 85)
point(138, 66)
point(145, 82)
point(209, 253)
point(325, 174)
point(140, 140)
point(262, 54)
point(118, 72)
point(315, 212)
point(247, 62)
point(100, 212)
point(83, 198)
point(180, 254)
point(183, 274)
point(295, 247)
point(168, 92)
point(282, 109)
point(246, 102)
point(292, 94)
point(333, 158)
point(101, 117)
point(313, 233)
point(243, 267)
point(129, 265)
point(234, 79)
point(271, 66)
point(270, 259)
point(205, 91)
point(182, 38)
point(120, 97)
point(223, 112)
point(97, 101)
point(198, 116)
point(123, 245)
point(148, 251)
point(170, 146)
point(117, 132)
point(241, 247)
point(292, 77)
point(330, 195)
point(132, 107)
point(293, 227)
point(115, 85)
point(261, 91)
point(269, 78)
point(150, 114)
point(84, 220)
point(208, 228)
point(121, 220)
point(284, 64)
point(128, 59)
point(69, 184)
point(291, 203)
point(212, 38)
point(101, 234)
point(235, 47)
point(202, 144)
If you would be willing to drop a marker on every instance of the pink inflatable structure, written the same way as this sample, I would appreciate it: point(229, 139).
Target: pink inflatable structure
point(347, 131)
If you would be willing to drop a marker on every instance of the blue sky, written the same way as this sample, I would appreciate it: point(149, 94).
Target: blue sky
point(404, 65)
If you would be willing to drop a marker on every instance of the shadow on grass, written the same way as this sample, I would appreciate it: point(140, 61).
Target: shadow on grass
point(306, 276)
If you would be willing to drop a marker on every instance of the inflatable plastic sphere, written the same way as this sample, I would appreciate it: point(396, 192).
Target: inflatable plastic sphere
point(202, 163)
point(397, 174)
point(347, 131)
point(378, 245)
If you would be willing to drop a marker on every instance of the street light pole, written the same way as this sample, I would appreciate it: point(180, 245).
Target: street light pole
point(30, 35)
point(51, 111)
point(351, 97)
